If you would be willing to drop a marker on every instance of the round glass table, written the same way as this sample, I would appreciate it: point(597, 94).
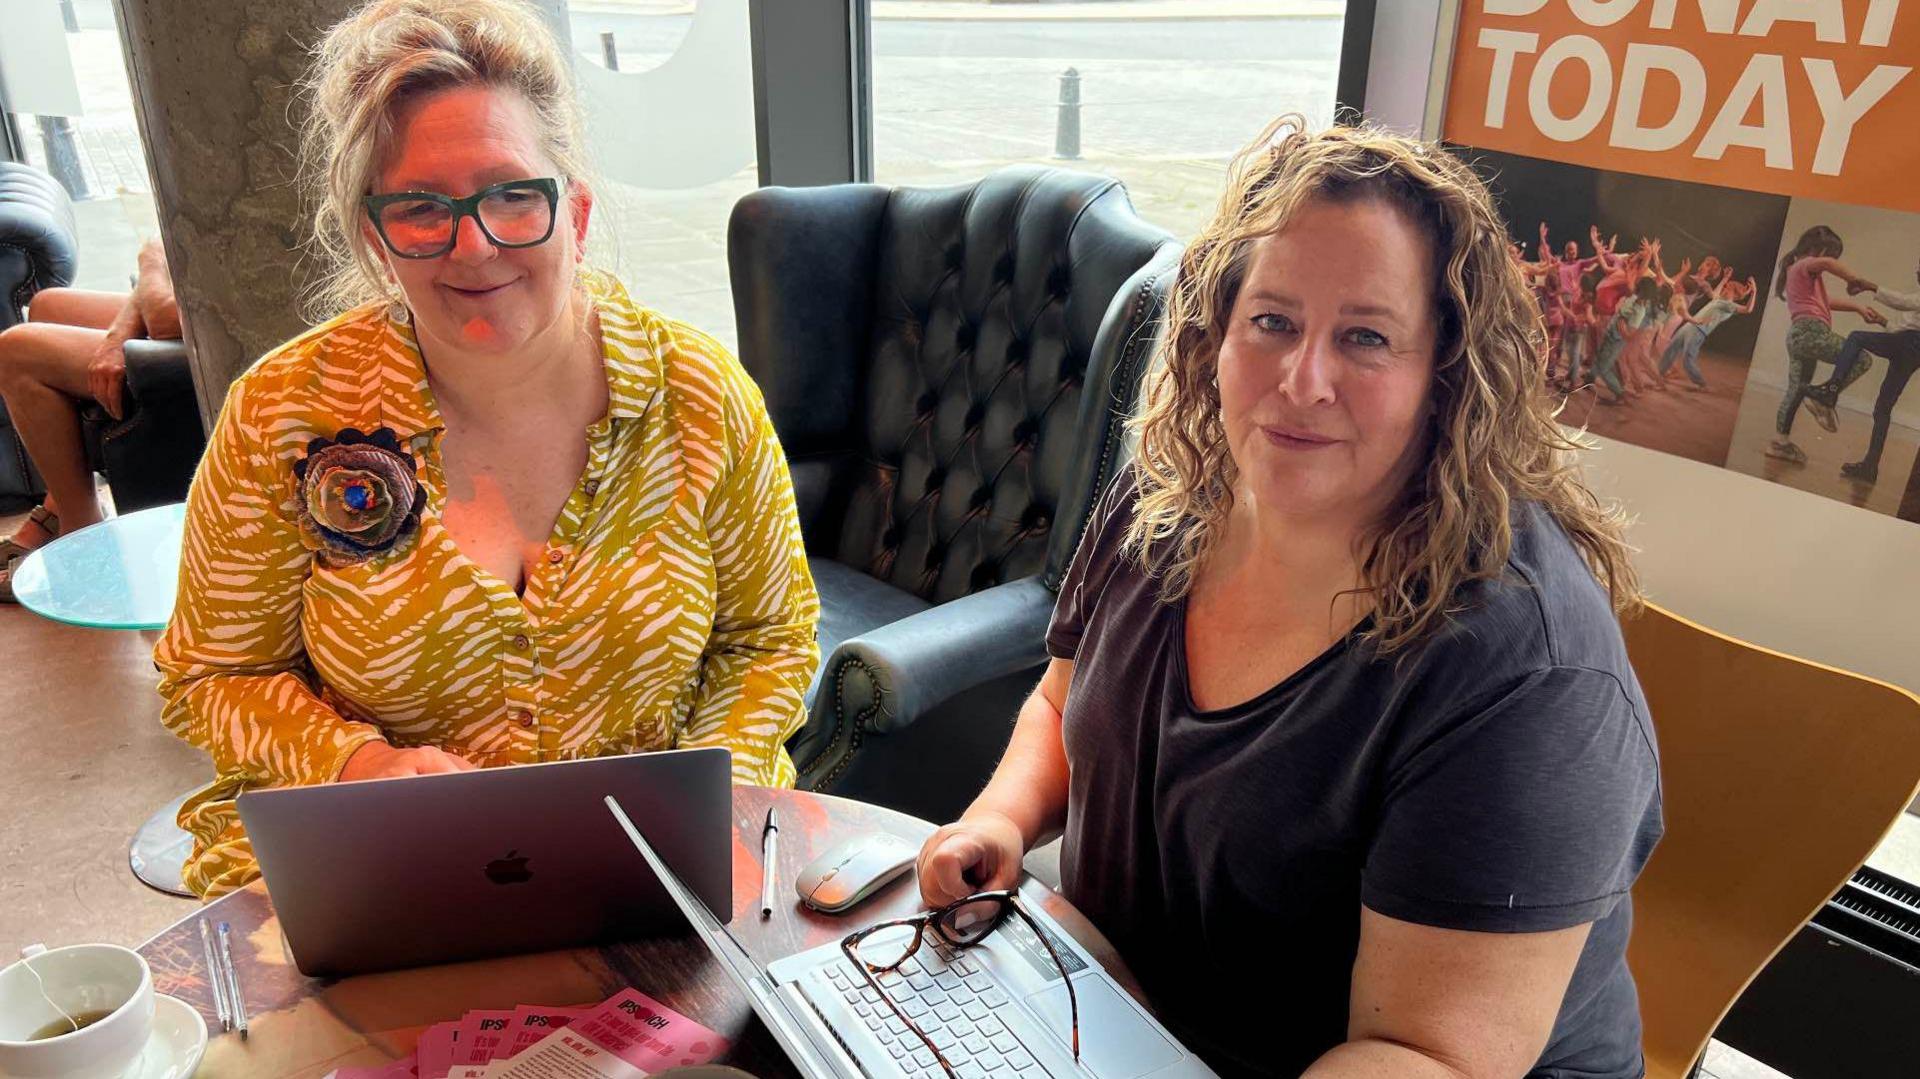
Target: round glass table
point(119, 574)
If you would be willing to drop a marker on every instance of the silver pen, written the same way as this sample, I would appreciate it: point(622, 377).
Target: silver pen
point(234, 999)
point(216, 977)
point(769, 855)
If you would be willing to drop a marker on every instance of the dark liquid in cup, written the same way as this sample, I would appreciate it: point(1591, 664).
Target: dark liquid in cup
point(81, 1021)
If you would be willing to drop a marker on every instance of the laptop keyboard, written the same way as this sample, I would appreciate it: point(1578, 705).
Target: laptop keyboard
point(952, 998)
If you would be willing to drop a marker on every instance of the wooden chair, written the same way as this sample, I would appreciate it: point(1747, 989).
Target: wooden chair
point(1779, 777)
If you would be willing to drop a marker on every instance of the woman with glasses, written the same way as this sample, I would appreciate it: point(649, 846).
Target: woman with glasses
point(493, 510)
point(1340, 730)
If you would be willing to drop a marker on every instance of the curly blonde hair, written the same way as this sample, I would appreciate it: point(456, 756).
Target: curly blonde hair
point(1493, 431)
point(374, 61)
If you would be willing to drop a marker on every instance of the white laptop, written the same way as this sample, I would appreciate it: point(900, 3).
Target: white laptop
point(998, 1008)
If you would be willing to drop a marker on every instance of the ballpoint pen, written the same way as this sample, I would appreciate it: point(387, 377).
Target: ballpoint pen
point(216, 977)
point(234, 1001)
point(769, 854)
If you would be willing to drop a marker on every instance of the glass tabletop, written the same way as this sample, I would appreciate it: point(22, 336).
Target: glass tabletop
point(118, 574)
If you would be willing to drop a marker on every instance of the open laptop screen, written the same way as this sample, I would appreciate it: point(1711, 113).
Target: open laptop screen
point(813, 1059)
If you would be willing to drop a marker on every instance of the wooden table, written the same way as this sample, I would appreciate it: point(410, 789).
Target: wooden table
point(304, 1027)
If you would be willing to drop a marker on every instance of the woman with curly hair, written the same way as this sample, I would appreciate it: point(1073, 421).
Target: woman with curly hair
point(1339, 706)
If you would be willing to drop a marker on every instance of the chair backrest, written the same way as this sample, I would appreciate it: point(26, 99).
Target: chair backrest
point(1004, 332)
point(38, 245)
point(1778, 778)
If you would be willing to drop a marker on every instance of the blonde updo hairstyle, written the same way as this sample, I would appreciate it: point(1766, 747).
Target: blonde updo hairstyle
point(1493, 437)
point(374, 61)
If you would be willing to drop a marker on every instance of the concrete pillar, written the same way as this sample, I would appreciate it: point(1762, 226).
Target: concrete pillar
point(213, 88)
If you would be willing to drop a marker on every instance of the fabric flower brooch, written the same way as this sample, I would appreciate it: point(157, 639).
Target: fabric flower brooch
point(359, 496)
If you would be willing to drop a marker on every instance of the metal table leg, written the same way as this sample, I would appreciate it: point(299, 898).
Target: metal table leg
point(160, 848)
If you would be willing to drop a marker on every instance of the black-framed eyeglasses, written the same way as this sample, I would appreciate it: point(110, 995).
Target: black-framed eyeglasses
point(425, 224)
point(883, 949)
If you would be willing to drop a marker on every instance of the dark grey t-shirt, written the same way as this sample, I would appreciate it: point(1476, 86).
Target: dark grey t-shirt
point(1501, 779)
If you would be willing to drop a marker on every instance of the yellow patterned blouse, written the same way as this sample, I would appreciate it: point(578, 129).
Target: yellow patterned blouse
point(674, 607)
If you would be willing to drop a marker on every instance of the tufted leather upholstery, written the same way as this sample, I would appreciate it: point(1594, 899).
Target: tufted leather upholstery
point(37, 248)
point(948, 369)
point(37, 251)
point(149, 455)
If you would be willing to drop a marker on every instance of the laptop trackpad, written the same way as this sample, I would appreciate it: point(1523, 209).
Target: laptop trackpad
point(1114, 1041)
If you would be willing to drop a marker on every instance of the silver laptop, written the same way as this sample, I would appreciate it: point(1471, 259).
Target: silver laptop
point(391, 873)
point(998, 1008)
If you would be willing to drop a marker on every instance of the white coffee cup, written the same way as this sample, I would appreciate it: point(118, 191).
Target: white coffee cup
point(81, 979)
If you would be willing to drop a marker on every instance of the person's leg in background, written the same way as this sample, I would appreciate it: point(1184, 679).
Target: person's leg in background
point(1910, 502)
point(1847, 366)
point(1697, 340)
point(43, 379)
point(1902, 351)
point(1576, 346)
point(1685, 347)
point(1810, 342)
point(1606, 367)
point(1675, 345)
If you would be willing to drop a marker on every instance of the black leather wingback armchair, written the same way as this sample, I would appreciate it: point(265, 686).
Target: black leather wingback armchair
point(949, 370)
point(149, 455)
point(37, 250)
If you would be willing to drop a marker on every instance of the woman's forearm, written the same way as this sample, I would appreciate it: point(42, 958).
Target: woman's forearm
point(1029, 788)
point(128, 324)
point(259, 727)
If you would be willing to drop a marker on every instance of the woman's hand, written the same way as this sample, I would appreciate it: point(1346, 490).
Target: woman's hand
point(106, 373)
point(1873, 315)
point(980, 853)
point(378, 760)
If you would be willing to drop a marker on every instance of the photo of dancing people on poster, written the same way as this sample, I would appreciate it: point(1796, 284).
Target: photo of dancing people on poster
point(1828, 407)
point(1649, 291)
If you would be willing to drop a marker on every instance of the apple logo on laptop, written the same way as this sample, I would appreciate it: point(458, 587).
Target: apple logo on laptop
point(509, 870)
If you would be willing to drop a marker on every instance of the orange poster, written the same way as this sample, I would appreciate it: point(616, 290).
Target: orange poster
point(1808, 98)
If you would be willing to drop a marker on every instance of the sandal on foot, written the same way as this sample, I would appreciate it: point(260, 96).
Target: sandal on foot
point(11, 567)
point(11, 549)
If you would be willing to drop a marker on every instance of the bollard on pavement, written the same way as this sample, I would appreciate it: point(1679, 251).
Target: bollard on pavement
point(607, 50)
point(1066, 131)
point(63, 157)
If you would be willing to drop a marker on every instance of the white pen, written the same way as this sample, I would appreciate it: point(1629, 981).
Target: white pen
point(216, 977)
point(234, 999)
point(769, 855)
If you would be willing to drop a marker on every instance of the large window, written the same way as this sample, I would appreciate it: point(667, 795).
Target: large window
point(1167, 90)
point(669, 93)
point(96, 154)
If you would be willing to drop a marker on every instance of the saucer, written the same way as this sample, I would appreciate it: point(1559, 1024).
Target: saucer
point(173, 1050)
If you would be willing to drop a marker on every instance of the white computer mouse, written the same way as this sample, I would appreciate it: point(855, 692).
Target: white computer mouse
point(854, 870)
